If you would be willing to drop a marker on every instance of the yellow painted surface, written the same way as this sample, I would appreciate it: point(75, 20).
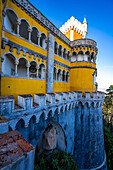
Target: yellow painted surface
point(24, 43)
point(61, 87)
point(19, 86)
point(64, 45)
point(83, 64)
point(6, 50)
point(22, 14)
point(61, 60)
point(81, 79)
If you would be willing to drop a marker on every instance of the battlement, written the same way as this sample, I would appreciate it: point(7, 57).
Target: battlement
point(25, 102)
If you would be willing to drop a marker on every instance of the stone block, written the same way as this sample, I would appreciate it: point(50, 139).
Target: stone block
point(25, 101)
point(40, 99)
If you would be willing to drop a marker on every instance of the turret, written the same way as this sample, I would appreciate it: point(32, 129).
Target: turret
point(83, 65)
point(73, 29)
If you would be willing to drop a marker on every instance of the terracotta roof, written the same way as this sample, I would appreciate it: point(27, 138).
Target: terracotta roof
point(3, 119)
point(12, 147)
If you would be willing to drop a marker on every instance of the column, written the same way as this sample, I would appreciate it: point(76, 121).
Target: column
point(56, 74)
point(29, 30)
point(18, 25)
point(38, 36)
point(50, 63)
point(65, 76)
point(37, 71)
point(61, 76)
point(16, 64)
point(27, 65)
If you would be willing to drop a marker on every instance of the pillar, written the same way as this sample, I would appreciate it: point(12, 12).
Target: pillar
point(16, 64)
point(50, 63)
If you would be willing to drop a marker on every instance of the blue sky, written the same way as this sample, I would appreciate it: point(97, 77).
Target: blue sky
point(99, 15)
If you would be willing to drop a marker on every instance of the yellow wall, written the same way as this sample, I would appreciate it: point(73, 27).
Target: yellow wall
point(81, 79)
point(61, 87)
point(19, 86)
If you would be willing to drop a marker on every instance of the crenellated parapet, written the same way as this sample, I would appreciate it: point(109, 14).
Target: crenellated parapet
point(84, 50)
point(58, 102)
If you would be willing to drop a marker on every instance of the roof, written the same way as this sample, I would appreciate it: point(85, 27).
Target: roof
point(12, 147)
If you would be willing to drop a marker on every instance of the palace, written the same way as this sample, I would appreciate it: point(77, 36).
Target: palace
point(48, 76)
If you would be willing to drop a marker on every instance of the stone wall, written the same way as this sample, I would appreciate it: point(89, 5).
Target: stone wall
point(78, 117)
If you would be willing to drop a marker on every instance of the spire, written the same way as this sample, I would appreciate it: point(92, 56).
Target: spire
point(84, 20)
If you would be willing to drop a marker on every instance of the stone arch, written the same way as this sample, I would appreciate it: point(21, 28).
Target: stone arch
point(35, 35)
point(50, 114)
point(64, 75)
point(55, 47)
point(10, 20)
point(61, 109)
point(67, 76)
point(56, 111)
point(66, 107)
point(69, 106)
point(68, 57)
point(74, 56)
point(55, 74)
point(8, 63)
point(42, 71)
point(80, 55)
point(42, 116)
point(43, 40)
point(33, 69)
point(24, 28)
point(52, 138)
point(22, 67)
point(59, 74)
point(92, 56)
point(20, 126)
point(31, 128)
point(60, 50)
point(64, 53)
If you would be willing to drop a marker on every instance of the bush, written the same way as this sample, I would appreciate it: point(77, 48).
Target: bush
point(58, 161)
point(108, 141)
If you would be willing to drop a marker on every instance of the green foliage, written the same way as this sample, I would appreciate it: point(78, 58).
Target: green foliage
point(58, 161)
point(108, 141)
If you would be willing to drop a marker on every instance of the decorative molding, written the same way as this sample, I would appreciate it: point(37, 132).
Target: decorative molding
point(61, 64)
point(21, 48)
point(39, 17)
point(84, 67)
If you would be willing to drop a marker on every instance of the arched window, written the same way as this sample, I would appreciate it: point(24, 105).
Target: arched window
point(8, 64)
point(55, 74)
point(87, 56)
point(34, 35)
point(22, 67)
point(80, 56)
point(60, 50)
point(10, 21)
point(92, 57)
point(67, 76)
point(64, 53)
point(68, 53)
point(24, 29)
point(41, 71)
point(55, 48)
point(63, 76)
point(74, 57)
point(59, 75)
point(33, 69)
point(43, 40)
